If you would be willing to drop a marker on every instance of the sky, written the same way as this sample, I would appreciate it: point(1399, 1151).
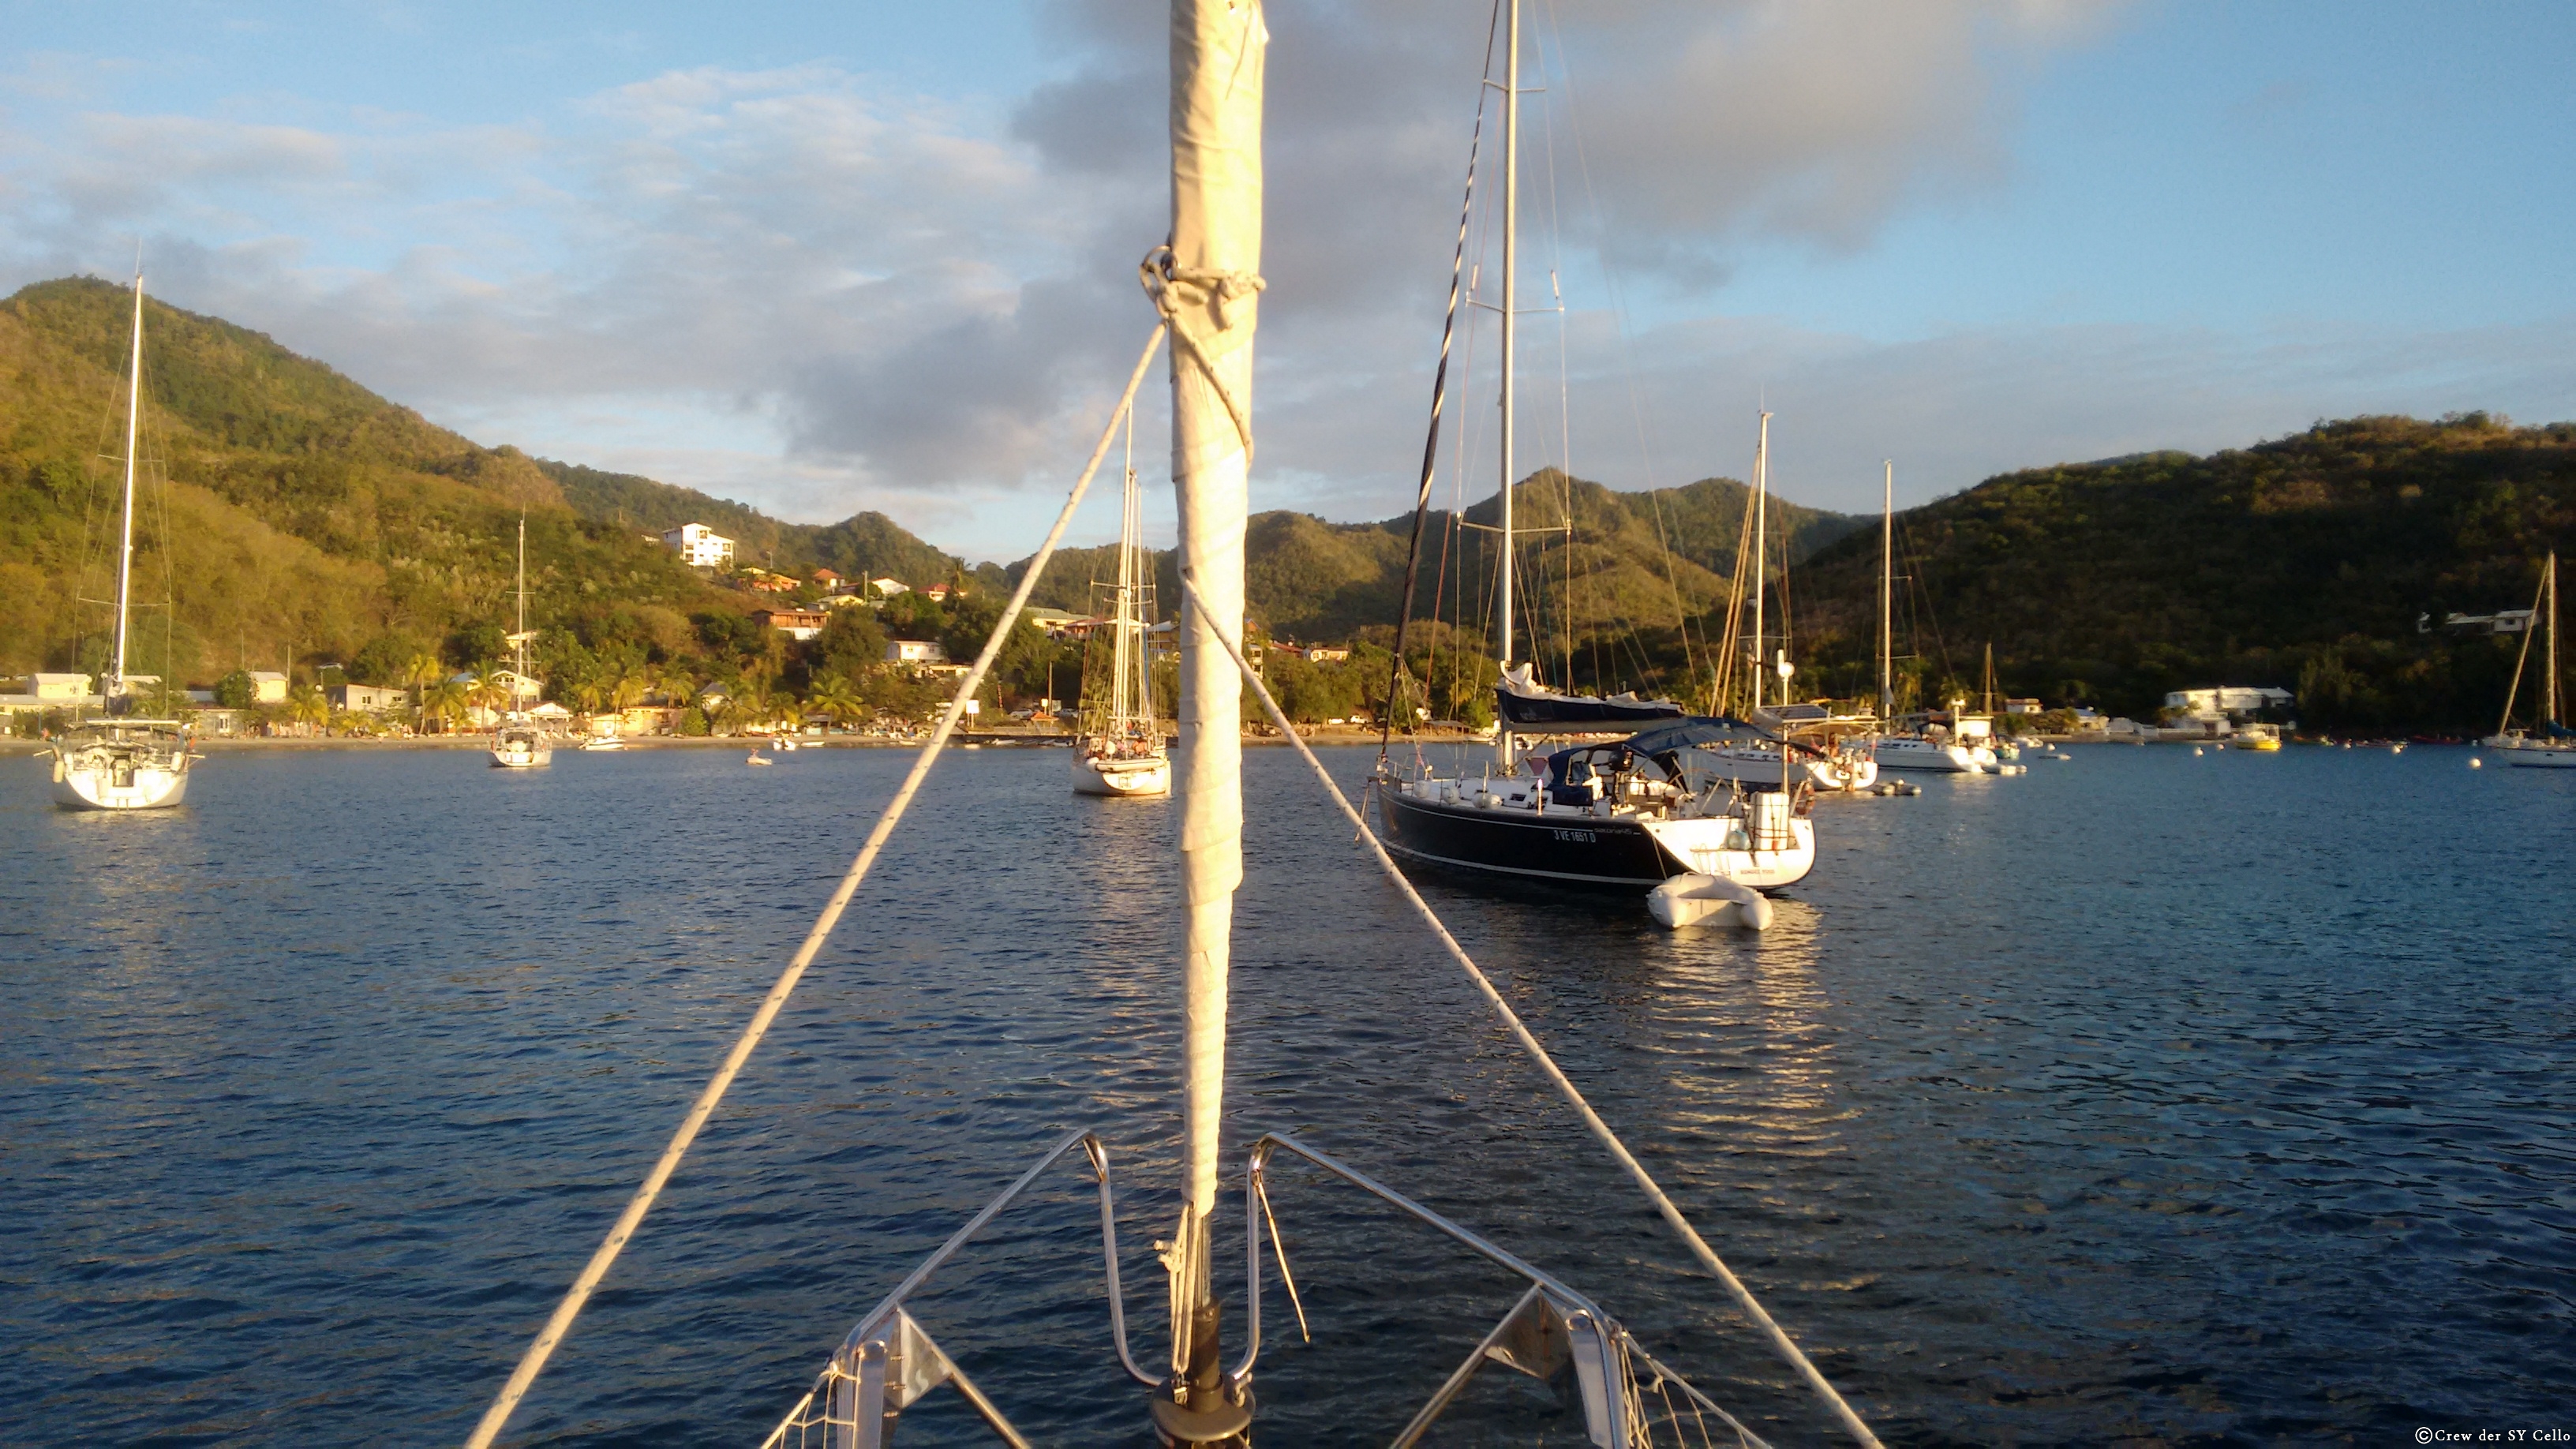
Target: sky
point(825, 258)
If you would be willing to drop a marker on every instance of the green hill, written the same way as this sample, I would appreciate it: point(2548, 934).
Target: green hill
point(287, 512)
point(2307, 562)
point(1604, 583)
point(295, 515)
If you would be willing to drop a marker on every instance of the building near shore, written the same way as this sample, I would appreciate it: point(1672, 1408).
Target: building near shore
point(267, 686)
point(366, 698)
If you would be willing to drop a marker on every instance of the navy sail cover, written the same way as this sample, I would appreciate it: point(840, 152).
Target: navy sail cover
point(1525, 707)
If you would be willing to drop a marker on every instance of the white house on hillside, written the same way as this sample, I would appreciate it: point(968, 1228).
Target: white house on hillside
point(915, 651)
point(699, 546)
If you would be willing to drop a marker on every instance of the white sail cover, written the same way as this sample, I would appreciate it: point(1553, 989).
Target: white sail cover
point(1209, 286)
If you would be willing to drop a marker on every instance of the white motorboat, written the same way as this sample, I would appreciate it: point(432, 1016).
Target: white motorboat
point(120, 762)
point(1922, 753)
point(1834, 768)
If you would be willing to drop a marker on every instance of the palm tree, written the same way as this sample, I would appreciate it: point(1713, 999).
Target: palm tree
point(489, 690)
point(422, 671)
point(443, 702)
point(835, 700)
point(306, 706)
point(627, 690)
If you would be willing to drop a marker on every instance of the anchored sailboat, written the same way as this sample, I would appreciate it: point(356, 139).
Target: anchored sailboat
point(521, 743)
point(123, 762)
point(1623, 815)
point(2549, 744)
point(1925, 747)
point(1826, 750)
point(1119, 750)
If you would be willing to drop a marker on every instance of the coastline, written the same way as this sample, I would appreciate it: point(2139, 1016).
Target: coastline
point(218, 745)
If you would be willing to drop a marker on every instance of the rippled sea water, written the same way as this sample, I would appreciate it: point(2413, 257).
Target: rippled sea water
point(2146, 1098)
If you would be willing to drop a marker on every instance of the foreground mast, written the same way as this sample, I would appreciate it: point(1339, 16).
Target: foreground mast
point(1210, 290)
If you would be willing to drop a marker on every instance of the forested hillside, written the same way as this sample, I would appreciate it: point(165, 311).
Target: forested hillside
point(287, 512)
point(2323, 562)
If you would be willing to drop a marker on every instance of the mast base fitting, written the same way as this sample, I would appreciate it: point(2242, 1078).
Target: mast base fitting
point(1213, 1425)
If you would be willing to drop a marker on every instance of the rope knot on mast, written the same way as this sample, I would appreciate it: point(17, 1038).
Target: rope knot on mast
point(1210, 313)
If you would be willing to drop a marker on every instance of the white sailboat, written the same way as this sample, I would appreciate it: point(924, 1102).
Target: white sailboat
point(122, 762)
point(521, 743)
point(1119, 750)
point(1922, 749)
point(1829, 752)
point(2549, 744)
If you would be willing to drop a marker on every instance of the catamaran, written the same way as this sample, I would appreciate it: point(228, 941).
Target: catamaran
point(123, 761)
point(1119, 750)
point(2549, 744)
point(521, 743)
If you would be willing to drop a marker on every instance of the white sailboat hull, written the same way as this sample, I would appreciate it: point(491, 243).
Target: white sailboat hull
point(1927, 756)
point(109, 785)
point(1111, 775)
point(1773, 850)
point(2539, 757)
point(514, 756)
point(1839, 772)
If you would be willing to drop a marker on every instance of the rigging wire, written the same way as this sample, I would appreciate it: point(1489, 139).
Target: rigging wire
point(1439, 395)
point(1745, 1302)
point(547, 1339)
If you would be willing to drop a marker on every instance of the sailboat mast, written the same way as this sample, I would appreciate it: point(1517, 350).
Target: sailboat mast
point(1210, 290)
point(1122, 708)
point(1511, 308)
point(521, 637)
point(125, 536)
point(1886, 598)
point(1761, 548)
point(2554, 640)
